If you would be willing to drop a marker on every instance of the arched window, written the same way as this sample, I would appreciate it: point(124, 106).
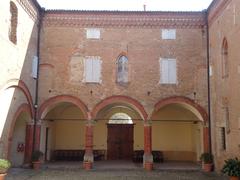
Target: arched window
point(225, 58)
point(122, 69)
point(13, 23)
point(120, 118)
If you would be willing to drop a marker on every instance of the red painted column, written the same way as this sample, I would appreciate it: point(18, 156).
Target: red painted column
point(88, 156)
point(148, 158)
point(206, 139)
point(29, 141)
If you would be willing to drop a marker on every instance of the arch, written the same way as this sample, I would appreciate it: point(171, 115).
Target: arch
point(224, 63)
point(181, 100)
point(63, 98)
point(195, 108)
point(16, 83)
point(22, 108)
point(120, 99)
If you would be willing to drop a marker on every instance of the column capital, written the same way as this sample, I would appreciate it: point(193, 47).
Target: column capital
point(147, 123)
point(90, 122)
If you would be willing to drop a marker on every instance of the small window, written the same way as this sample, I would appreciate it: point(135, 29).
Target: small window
point(168, 71)
point(122, 69)
point(92, 70)
point(13, 23)
point(168, 33)
point(93, 33)
point(223, 138)
point(120, 118)
point(225, 59)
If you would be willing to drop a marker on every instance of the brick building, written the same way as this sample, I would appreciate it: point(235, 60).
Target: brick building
point(113, 84)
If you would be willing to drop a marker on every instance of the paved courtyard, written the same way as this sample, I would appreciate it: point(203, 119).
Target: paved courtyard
point(134, 174)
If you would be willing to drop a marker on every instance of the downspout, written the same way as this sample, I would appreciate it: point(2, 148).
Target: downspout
point(208, 85)
point(41, 12)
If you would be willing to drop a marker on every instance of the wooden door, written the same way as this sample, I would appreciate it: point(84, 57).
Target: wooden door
point(120, 141)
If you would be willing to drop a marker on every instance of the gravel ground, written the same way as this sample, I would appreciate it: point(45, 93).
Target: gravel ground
point(51, 174)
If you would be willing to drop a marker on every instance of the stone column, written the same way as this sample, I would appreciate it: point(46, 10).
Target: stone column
point(88, 156)
point(148, 158)
point(29, 141)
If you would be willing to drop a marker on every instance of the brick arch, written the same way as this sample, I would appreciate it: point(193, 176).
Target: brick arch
point(184, 100)
point(22, 108)
point(181, 100)
point(63, 98)
point(16, 83)
point(120, 99)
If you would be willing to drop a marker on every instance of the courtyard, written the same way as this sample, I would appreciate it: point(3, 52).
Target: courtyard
point(134, 174)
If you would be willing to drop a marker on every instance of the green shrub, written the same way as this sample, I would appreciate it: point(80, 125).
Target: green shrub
point(4, 166)
point(37, 155)
point(232, 167)
point(207, 158)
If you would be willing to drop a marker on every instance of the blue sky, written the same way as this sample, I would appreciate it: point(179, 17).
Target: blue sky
point(153, 5)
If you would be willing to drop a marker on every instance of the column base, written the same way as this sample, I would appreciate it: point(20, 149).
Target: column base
point(87, 165)
point(148, 166)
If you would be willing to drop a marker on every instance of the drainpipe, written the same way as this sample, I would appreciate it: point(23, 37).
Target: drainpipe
point(208, 84)
point(41, 12)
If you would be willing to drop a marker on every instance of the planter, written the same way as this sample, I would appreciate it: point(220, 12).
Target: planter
point(2, 176)
point(87, 165)
point(148, 166)
point(207, 167)
point(36, 165)
point(234, 178)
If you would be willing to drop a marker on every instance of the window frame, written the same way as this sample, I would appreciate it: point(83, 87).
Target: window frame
point(162, 80)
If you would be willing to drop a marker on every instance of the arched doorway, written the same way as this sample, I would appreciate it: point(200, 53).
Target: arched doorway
point(120, 137)
point(178, 130)
point(118, 130)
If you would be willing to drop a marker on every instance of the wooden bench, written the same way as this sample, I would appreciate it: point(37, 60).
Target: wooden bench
point(99, 154)
point(157, 156)
point(68, 155)
point(138, 155)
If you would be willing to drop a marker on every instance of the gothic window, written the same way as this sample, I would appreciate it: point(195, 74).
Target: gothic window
point(225, 59)
point(122, 69)
point(13, 23)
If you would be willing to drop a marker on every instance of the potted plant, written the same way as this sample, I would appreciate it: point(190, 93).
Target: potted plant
point(232, 168)
point(36, 159)
point(4, 166)
point(207, 162)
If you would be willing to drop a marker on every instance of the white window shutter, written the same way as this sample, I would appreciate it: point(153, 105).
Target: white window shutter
point(164, 71)
point(88, 70)
point(96, 74)
point(93, 33)
point(168, 33)
point(34, 67)
point(172, 71)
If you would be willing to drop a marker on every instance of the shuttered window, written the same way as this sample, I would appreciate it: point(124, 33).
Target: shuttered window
point(34, 67)
point(92, 69)
point(168, 71)
point(93, 33)
point(168, 33)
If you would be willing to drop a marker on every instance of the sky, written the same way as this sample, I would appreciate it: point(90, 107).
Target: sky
point(134, 5)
